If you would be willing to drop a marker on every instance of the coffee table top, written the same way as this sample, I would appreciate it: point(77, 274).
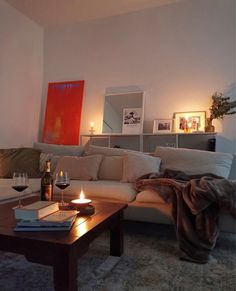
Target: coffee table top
point(104, 211)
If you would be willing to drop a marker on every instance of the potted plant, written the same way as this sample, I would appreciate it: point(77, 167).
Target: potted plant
point(220, 107)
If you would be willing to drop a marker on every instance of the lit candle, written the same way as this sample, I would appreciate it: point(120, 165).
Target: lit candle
point(81, 202)
point(92, 127)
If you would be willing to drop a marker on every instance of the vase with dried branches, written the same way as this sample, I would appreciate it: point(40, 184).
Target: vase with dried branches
point(221, 106)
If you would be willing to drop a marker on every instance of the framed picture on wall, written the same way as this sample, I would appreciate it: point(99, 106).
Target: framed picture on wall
point(132, 121)
point(192, 121)
point(162, 125)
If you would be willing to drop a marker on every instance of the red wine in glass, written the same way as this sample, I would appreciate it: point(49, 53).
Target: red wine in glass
point(20, 188)
point(62, 182)
point(19, 183)
point(62, 186)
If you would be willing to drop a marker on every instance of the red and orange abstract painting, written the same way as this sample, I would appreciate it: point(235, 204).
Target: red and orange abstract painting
point(63, 113)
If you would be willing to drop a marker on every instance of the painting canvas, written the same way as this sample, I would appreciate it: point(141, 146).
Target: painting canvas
point(63, 113)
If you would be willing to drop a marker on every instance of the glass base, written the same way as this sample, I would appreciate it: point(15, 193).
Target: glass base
point(63, 205)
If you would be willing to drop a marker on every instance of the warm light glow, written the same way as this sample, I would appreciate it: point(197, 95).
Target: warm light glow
point(61, 173)
point(81, 196)
point(81, 201)
point(92, 124)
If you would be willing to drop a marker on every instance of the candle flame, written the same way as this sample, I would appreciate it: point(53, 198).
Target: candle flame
point(92, 124)
point(81, 197)
point(61, 173)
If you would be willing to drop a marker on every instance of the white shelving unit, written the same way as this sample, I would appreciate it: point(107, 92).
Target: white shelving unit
point(147, 142)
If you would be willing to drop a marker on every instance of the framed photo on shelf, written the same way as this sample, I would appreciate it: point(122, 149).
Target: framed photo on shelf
point(192, 121)
point(162, 125)
point(132, 121)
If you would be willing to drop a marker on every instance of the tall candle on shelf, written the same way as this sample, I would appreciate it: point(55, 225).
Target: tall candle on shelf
point(91, 127)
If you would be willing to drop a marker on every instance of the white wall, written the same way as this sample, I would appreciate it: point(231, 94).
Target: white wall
point(179, 54)
point(21, 75)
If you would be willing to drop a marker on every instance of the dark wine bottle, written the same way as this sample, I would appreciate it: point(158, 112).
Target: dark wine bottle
point(47, 183)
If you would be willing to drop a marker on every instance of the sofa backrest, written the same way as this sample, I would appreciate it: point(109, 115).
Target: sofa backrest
point(60, 150)
point(54, 152)
point(193, 161)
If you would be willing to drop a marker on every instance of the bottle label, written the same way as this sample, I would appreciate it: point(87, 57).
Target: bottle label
point(47, 193)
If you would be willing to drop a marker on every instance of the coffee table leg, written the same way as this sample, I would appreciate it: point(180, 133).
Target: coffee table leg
point(117, 238)
point(65, 272)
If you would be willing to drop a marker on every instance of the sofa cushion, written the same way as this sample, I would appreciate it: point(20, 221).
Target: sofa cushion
point(80, 168)
point(19, 160)
point(137, 165)
point(195, 161)
point(97, 150)
point(60, 150)
point(149, 196)
point(111, 168)
point(114, 190)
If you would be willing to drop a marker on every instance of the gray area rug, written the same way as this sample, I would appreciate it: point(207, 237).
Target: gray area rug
point(150, 262)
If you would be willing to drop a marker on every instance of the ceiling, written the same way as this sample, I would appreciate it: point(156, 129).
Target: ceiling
point(60, 12)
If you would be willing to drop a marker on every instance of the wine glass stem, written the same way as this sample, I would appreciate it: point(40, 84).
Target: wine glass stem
point(62, 198)
point(19, 202)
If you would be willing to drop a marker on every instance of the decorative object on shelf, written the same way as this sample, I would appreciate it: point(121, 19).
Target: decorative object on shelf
point(132, 120)
point(162, 125)
point(187, 122)
point(220, 107)
point(91, 127)
point(116, 99)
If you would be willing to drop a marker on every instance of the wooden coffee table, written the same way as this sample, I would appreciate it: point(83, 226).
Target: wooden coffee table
point(62, 249)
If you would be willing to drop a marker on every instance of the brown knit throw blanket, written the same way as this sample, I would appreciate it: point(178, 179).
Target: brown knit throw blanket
point(196, 203)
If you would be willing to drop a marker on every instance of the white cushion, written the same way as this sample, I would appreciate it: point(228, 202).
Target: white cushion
point(114, 190)
point(149, 196)
point(195, 161)
point(97, 150)
point(111, 168)
point(81, 168)
point(137, 165)
point(61, 150)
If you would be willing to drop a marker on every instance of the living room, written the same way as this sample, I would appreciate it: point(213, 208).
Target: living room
point(178, 52)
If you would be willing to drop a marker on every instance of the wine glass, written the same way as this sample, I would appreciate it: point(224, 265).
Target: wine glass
point(62, 182)
point(20, 183)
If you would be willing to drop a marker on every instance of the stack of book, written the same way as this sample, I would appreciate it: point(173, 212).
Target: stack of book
point(44, 216)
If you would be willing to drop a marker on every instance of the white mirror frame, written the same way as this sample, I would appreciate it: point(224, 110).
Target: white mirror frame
point(125, 111)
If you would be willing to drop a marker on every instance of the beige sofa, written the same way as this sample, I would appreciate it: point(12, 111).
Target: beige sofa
point(109, 174)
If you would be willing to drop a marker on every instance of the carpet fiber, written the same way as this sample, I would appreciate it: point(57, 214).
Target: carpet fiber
point(150, 262)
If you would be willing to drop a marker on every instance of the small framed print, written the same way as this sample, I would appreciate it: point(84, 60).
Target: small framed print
point(162, 125)
point(132, 121)
point(192, 121)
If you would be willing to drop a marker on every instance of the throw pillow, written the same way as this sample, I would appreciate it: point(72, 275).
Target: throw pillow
point(19, 160)
point(80, 168)
point(193, 161)
point(111, 168)
point(137, 165)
